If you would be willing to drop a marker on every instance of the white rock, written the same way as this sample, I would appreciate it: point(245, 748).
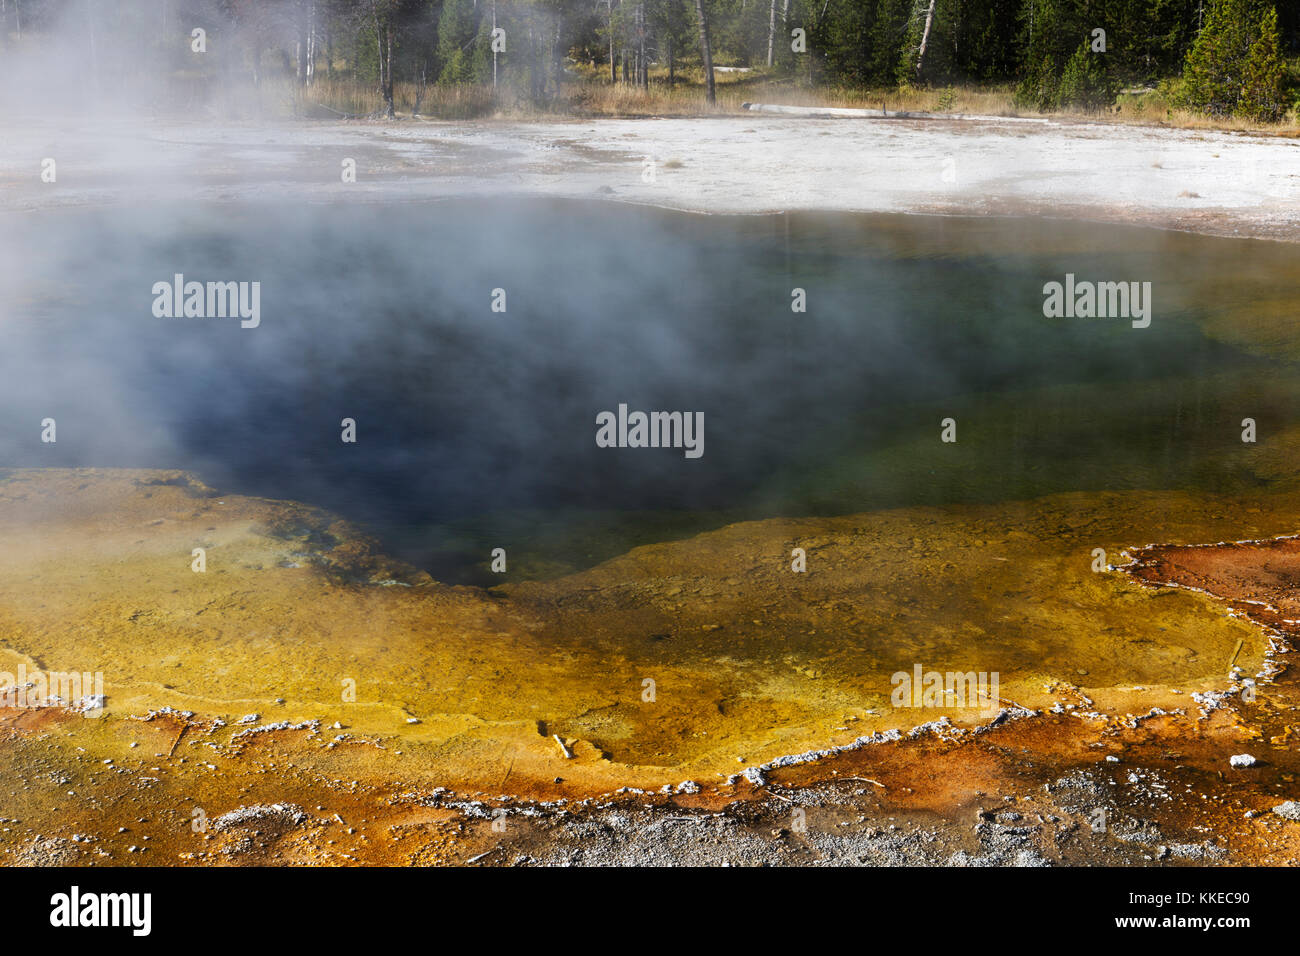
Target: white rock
point(1288, 811)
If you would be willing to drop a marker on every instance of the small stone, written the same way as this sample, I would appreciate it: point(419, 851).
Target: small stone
point(1241, 760)
point(1288, 811)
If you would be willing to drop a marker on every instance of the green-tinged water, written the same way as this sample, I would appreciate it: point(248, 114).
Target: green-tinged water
point(912, 321)
point(824, 433)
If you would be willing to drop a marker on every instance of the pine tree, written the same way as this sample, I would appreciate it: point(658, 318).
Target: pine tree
point(457, 30)
point(1085, 81)
point(1215, 72)
point(1037, 91)
point(1261, 96)
point(1045, 26)
point(888, 34)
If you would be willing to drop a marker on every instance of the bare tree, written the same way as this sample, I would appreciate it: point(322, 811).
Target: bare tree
point(381, 14)
point(925, 38)
point(642, 67)
point(304, 15)
point(706, 53)
point(609, 25)
point(771, 33)
point(557, 51)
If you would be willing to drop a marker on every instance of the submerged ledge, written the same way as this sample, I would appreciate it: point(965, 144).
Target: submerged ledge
point(751, 660)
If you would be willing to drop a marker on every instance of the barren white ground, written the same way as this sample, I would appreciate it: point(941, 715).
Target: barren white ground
point(1220, 183)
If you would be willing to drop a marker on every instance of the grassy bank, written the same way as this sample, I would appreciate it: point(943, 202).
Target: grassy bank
point(590, 94)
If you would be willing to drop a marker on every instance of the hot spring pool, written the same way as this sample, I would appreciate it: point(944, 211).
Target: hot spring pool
point(473, 345)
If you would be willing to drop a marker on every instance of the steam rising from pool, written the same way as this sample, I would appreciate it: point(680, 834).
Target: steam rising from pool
point(383, 314)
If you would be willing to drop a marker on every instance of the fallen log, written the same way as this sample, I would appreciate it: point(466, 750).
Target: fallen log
point(852, 113)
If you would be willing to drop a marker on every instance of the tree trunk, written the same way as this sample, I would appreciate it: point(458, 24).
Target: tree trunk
point(389, 111)
point(536, 81)
point(785, 22)
point(613, 60)
point(672, 72)
point(643, 68)
point(706, 53)
point(311, 41)
point(925, 38)
point(384, 32)
point(300, 42)
point(558, 63)
point(379, 52)
point(771, 34)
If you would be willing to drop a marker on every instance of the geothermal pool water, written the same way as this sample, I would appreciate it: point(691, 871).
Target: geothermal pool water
point(476, 429)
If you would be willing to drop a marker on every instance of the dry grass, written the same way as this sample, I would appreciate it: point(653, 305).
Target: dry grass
point(1153, 108)
point(590, 94)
